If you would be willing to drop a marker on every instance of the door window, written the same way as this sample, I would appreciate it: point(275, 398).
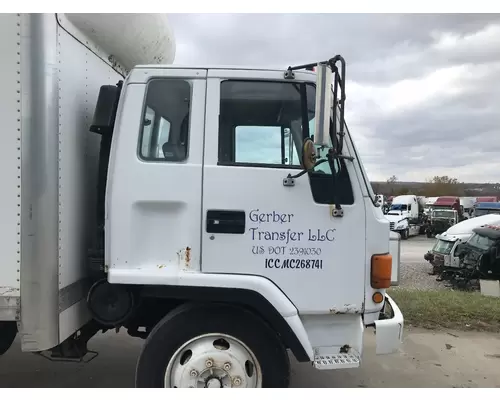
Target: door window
point(264, 124)
point(165, 127)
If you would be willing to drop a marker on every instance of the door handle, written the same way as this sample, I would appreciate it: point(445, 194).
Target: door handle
point(226, 221)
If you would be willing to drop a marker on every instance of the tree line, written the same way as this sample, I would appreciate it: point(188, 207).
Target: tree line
point(432, 187)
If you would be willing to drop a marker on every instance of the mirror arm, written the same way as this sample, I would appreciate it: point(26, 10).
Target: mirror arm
point(342, 157)
point(305, 171)
point(339, 83)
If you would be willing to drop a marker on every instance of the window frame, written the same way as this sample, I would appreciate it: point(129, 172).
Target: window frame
point(233, 135)
point(145, 106)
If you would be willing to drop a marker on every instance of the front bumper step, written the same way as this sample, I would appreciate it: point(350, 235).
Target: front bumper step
point(337, 361)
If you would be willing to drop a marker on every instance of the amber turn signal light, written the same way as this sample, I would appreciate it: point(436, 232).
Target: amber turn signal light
point(381, 271)
point(378, 297)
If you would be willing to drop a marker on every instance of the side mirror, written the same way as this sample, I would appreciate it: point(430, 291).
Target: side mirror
point(105, 109)
point(308, 155)
point(324, 100)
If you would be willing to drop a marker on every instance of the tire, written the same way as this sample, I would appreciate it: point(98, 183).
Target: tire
point(405, 234)
point(232, 324)
point(429, 234)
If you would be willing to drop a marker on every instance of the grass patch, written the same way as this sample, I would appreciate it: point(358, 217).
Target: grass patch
point(450, 309)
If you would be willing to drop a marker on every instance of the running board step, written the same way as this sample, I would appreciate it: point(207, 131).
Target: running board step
point(336, 361)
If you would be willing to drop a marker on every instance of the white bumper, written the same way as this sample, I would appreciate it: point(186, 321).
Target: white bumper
point(389, 332)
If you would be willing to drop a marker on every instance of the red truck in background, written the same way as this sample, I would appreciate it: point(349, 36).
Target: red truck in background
point(446, 202)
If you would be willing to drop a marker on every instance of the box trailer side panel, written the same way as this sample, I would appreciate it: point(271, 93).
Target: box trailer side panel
point(60, 80)
point(39, 200)
point(10, 171)
point(81, 73)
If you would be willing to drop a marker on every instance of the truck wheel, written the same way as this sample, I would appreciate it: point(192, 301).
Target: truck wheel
point(212, 346)
point(429, 234)
point(405, 234)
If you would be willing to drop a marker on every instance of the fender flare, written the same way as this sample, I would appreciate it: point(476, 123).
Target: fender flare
point(255, 293)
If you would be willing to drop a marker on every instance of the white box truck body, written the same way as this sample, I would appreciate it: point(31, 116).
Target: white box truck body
point(163, 199)
point(52, 68)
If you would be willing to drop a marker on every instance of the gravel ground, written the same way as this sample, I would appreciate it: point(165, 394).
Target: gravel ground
point(416, 276)
point(415, 270)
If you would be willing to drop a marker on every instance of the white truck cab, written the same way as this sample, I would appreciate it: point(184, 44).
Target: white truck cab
point(404, 215)
point(221, 213)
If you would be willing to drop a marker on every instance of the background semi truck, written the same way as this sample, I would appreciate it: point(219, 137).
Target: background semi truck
point(406, 215)
point(130, 200)
point(486, 208)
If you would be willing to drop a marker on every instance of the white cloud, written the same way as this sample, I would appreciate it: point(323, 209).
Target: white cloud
point(422, 95)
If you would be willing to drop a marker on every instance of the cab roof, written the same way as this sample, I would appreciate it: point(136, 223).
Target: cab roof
point(282, 68)
point(468, 225)
point(489, 231)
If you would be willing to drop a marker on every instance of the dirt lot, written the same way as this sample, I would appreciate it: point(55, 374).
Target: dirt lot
point(427, 359)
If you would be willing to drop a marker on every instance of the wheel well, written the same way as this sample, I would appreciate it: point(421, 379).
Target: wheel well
point(247, 299)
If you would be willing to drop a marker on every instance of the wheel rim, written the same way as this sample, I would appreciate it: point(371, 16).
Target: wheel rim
point(213, 360)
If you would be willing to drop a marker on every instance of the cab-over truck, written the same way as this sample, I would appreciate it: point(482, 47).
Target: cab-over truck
point(163, 199)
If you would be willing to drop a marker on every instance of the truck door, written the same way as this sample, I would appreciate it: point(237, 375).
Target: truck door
point(254, 224)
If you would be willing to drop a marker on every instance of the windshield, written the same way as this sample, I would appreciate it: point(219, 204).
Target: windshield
point(443, 247)
point(480, 242)
point(442, 214)
point(399, 207)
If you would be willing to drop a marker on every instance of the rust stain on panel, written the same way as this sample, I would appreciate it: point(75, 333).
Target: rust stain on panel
point(188, 256)
point(345, 309)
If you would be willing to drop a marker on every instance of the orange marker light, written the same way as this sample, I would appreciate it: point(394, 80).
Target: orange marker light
point(378, 297)
point(381, 271)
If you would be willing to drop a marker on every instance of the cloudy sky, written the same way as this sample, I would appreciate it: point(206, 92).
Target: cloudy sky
point(423, 91)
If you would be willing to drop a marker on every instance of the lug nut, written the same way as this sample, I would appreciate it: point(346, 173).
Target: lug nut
point(237, 381)
point(227, 366)
point(209, 363)
point(194, 373)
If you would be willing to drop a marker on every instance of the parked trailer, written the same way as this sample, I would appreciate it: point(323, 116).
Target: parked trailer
point(429, 202)
point(467, 204)
point(126, 205)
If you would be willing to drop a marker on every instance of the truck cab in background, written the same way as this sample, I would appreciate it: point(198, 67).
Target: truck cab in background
point(485, 208)
point(406, 215)
point(440, 220)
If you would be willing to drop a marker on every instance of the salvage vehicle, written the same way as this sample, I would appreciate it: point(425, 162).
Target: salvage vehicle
point(440, 220)
point(443, 254)
point(479, 258)
point(162, 199)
